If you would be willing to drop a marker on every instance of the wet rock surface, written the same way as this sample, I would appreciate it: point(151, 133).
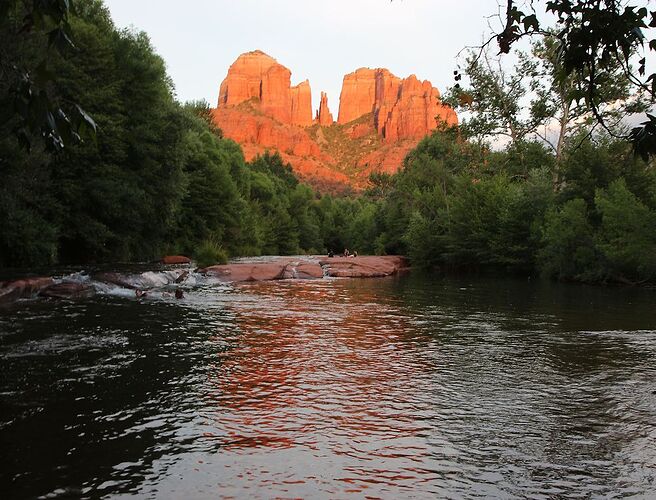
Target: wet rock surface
point(176, 282)
point(24, 288)
point(309, 268)
point(364, 267)
point(69, 290)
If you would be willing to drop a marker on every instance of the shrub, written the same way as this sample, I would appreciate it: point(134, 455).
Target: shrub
point(209, 253)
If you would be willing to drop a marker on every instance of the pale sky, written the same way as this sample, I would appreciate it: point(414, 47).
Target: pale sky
point(318, 40)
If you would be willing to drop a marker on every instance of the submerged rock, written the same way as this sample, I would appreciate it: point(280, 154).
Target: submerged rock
point(69, 290)
point(147, 280)
point(28, 287)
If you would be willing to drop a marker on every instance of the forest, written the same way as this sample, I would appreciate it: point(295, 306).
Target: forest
point(158, 178)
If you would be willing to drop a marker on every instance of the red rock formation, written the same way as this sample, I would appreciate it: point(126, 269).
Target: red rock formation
point(275, 93)
point(364, 267)
point(245, 78)
point(309, 268)
point(324, 116)
point(358, 95)
point(416, 112)
point(257, 75)
point(301, 113)
point(244, 127)
point(386, 117)
point(402, 109)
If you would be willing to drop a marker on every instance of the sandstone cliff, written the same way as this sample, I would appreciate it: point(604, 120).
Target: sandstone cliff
point(402, 108)
point(255, 75)
point(324, 116)
point(381, 117)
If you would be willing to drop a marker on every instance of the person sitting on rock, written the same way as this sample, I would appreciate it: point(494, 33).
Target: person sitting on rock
point(346, 252)
point(355, 253)
point(330, 253)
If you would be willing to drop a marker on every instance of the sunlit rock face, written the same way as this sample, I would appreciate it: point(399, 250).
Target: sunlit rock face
point(301, 113)
point(381, 117)
point(255, 75)
point(401, 108)
point(324, 116)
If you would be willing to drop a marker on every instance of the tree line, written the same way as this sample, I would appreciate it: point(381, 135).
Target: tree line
point(158, 177)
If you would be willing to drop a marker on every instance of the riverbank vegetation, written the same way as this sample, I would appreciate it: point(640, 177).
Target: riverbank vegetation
point(159, 178)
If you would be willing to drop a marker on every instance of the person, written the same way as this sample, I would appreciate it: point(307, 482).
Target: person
point(330, 253)
point(179, 294)
point(346, 252)
point(355, 253)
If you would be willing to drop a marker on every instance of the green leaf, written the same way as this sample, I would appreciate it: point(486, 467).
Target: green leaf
point(531, 22)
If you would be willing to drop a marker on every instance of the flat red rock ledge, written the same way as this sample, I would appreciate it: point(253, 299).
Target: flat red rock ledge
point(310, 268)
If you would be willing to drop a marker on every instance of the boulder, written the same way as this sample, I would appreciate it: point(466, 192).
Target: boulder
point(302, 270)
point(176, 259)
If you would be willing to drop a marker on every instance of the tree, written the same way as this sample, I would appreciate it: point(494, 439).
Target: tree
point(29, 103)
point(560, 102)
point(593, 36)
point(567, 242)
point(627, 235)
point(494, 98)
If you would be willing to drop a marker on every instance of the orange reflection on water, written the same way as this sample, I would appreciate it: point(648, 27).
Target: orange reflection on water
point(319, 379)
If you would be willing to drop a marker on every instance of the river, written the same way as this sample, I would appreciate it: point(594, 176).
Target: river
point(402, 387)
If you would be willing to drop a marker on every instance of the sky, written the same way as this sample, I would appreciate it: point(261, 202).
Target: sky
point(318, 40)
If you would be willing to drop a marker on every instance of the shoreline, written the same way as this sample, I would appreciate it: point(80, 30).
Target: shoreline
point(86, 284)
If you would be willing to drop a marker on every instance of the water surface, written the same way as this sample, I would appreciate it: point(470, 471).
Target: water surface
point(408, 387)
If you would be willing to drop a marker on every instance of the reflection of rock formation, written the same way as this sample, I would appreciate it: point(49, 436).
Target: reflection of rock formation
point(381, 117)
point(321, 369)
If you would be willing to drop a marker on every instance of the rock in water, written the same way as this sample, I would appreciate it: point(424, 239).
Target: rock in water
point(24, 288)
point(308, 268)
point(68, 290)
point(175, 259)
